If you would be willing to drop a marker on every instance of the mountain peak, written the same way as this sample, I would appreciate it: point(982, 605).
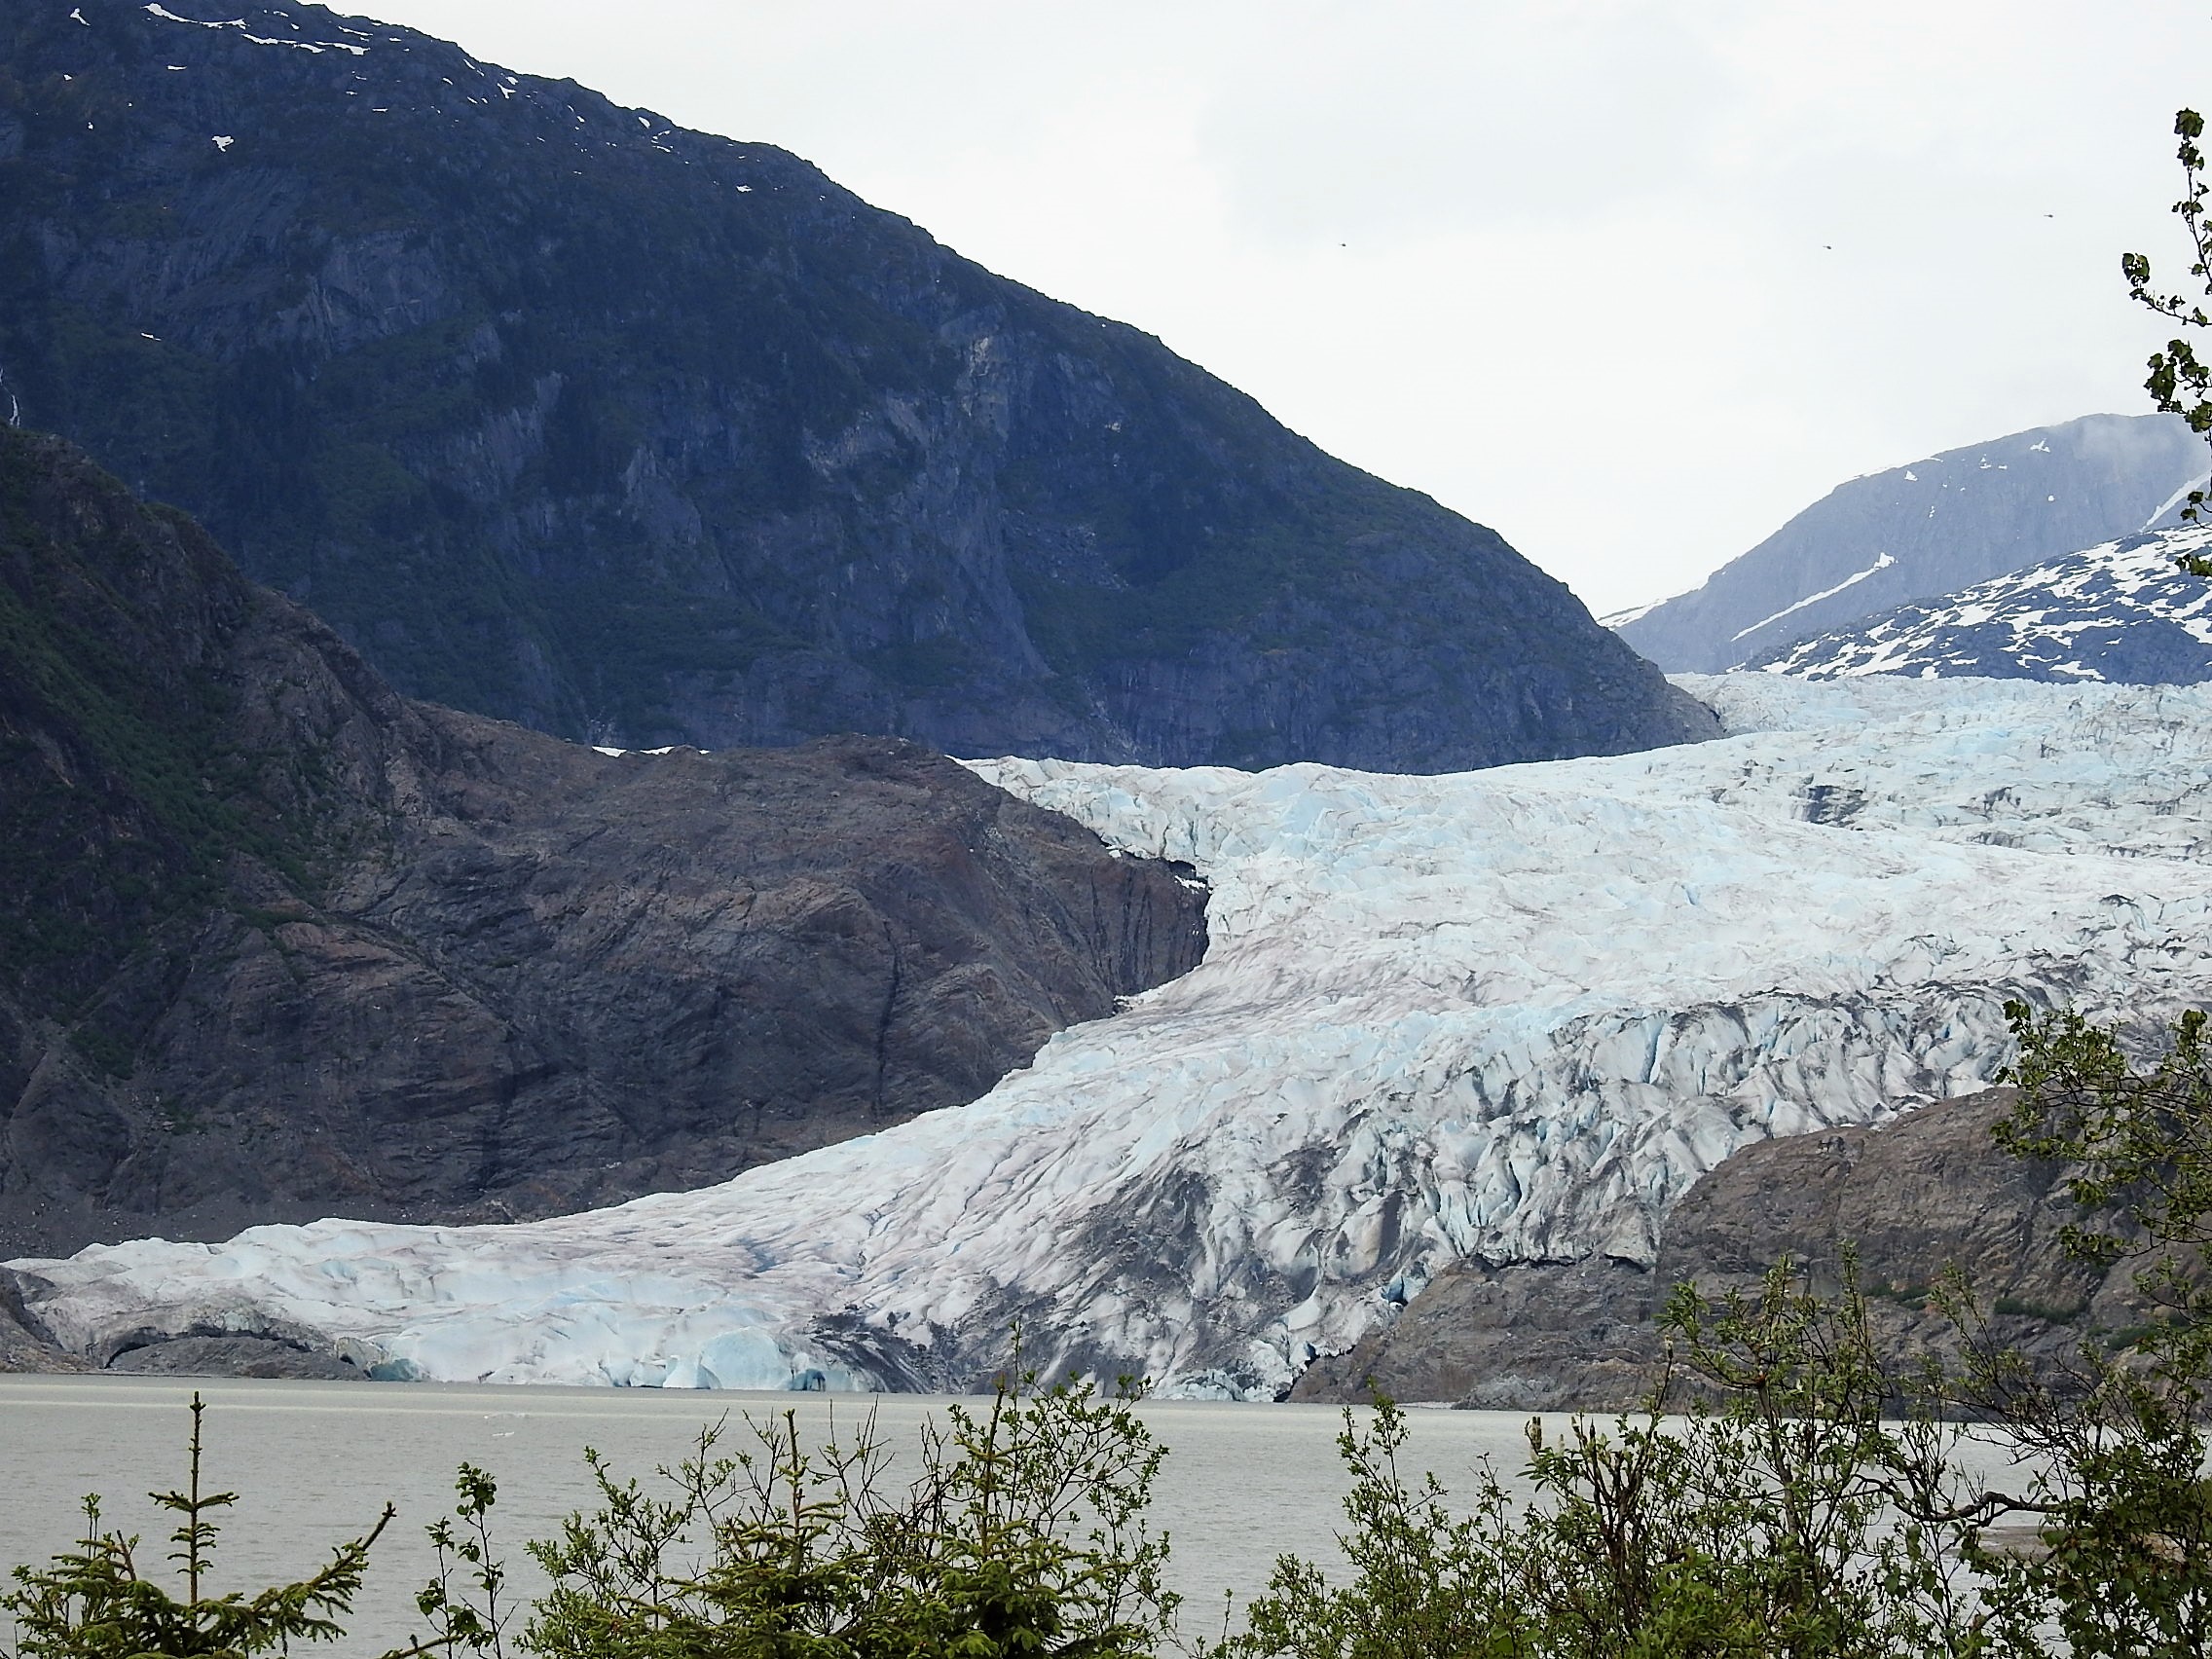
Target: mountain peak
point(1924, 529)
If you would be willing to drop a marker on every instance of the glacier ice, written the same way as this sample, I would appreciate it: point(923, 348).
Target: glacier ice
point(1510, 1014)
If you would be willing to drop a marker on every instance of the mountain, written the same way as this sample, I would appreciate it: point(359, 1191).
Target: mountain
point(565, 415)
point(2119, 613)
point(276, 942)
point(1916, 532)
point(1504, 1017)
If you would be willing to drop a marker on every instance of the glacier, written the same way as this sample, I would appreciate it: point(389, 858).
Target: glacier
point(1509, 1015)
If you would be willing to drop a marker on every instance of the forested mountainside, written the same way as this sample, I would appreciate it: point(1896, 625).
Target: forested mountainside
point(565, 415)
point(2124, 611)
point(1931, 527)
point(276, 942)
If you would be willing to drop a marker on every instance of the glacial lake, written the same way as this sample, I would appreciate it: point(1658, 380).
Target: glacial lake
point(313, 1463)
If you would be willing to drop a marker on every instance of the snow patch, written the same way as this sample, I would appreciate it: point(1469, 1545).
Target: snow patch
point(1882, 561)
point(169, 17)
point(2175, 499)
point(1613, 619)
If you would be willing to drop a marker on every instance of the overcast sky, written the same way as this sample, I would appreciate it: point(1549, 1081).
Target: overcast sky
point(1629, 282)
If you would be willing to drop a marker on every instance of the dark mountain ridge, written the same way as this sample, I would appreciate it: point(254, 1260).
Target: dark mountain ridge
point(565, 415)
point(276, 942)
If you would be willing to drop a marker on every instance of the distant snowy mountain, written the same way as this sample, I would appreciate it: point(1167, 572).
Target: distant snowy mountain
point(2119, 613)
point(1510, 1014)
point(1931, 527)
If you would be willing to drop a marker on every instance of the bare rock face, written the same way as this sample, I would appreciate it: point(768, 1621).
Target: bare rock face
point(278, 944)
point(1541, 1336)
point(23, 1343)
point(1927, 1192)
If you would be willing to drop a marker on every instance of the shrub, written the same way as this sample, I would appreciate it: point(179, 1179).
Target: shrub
point(92, 1602)
point(1022, 1532)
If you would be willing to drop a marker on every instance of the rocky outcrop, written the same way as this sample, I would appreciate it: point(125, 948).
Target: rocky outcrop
point(1930, 1191)
point(276, 942)
point(24, 1344)
point(565, 415)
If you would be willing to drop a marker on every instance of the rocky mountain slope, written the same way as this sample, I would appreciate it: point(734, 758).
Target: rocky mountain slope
point(1508, 1016)
point(1927, 529)
point(2119, 613)
point(565, 415)
point(276, 942)
point(1918, 1198)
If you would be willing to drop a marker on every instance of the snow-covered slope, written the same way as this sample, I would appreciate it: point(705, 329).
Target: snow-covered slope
point(1511, 1014)
point(2119, 613)
point(1931, 527)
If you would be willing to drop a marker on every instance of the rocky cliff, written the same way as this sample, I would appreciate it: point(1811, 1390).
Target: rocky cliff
point(565, 415)
point(276, 942)
point(1930, 1191)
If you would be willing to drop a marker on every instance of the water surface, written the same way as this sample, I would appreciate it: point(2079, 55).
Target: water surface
point(313, 1463)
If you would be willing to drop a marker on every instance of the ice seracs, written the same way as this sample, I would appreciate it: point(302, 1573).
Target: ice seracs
point(1509, 1014)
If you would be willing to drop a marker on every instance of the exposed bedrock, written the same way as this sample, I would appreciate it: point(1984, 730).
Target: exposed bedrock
point(1928, 1193)
point(276, 943)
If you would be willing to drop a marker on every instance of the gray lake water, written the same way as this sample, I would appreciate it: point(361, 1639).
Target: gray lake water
point(315, 1463)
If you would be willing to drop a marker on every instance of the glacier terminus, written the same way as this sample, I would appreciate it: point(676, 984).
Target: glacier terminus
point(1509, 1015)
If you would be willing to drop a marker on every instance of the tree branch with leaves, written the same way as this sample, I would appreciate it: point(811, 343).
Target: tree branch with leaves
point(2180, 381)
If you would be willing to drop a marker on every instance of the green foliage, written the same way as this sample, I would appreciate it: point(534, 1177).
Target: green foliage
point(1781, 1516)
point(1019, 1536)
point(2140, 1146)
point(2124, 1506)
point(1808, 1503)
point(1022, 1535)
point(93, 1602)
point(2180, 382)
point(463, 1598)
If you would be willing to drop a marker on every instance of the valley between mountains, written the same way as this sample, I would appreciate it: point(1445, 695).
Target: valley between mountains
point(1503, 1018)
point(466, 938)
